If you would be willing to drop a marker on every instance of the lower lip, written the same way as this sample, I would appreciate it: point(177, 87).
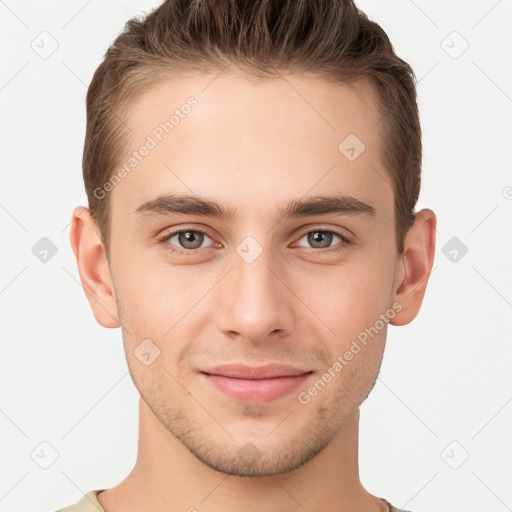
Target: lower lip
point(257, 391)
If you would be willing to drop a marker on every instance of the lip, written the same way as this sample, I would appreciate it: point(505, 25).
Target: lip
point(242, 371)
point(252, 384)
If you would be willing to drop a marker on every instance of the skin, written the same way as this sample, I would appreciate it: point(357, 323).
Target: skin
point(252, 146)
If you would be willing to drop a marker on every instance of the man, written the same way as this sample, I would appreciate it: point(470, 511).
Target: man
point(252, 170)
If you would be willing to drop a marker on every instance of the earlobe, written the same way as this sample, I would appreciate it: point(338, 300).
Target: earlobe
point(415, 266)
point(93, 267)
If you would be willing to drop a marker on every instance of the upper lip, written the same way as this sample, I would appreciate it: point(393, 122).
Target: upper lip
point(240, 371)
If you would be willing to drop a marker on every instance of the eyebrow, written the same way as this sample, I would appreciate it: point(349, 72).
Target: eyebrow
point(184, 204)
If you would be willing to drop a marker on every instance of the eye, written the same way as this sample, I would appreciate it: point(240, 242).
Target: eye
point(188, 242)
point(184, 241)
point(322, 239)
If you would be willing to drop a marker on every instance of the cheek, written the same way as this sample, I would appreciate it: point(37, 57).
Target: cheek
point(347, 299)
point(153, 295)
point(165, 305)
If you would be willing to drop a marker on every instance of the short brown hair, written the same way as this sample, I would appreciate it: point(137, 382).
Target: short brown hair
point(329, 38)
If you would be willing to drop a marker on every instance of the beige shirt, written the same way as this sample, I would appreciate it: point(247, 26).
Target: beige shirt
point(90, 503)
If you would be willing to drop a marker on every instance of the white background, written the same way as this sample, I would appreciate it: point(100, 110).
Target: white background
point(446, 377)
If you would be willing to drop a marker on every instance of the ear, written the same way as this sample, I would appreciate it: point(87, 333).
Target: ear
point(414, 267)
point(93, 267)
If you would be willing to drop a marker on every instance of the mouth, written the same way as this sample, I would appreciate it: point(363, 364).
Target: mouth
point(256, 384)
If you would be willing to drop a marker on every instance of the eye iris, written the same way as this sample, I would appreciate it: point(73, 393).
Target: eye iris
point(325, 238)
point(186, 237)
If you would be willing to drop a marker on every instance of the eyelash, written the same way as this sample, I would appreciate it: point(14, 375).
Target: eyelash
point(192, 252)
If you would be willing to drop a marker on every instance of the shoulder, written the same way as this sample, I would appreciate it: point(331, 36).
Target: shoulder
point(394, 509)
point(88, 503)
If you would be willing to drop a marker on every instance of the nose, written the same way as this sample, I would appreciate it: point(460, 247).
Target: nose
point(255, 300)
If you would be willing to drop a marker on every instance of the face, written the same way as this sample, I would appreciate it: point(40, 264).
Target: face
point(273, 280)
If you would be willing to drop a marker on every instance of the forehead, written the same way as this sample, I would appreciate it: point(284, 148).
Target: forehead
point(216, 136)
point(271, 102)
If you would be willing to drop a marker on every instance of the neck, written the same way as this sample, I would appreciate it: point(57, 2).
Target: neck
point(167, 477)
